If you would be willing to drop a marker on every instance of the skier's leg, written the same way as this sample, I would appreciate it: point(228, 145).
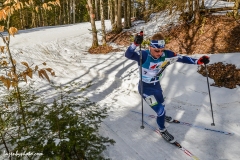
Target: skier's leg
point(159, 109)
point(154, 99)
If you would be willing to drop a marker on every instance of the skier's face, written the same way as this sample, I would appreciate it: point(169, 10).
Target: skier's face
point(156, 52)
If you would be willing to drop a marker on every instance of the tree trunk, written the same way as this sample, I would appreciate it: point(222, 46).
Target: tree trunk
point(119, 16)
point(111, 12)
point(196, 12)
point(104, 42)
point(202, 6)
point(96, 10)
point(94, 30)
point(42, 17)
point(125, 14)
point(129, 13)
point(190, 9)
point(21, 19)
point(114, 26)
point(73, 10)
point(33, 19)
point(236, 6)
point(68, 12)
point(144, 10)
point(109, 9)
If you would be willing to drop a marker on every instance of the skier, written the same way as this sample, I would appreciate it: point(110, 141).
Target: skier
point(151, 60)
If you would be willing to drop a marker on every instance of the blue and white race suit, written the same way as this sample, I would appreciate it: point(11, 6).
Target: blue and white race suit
point(152, 91)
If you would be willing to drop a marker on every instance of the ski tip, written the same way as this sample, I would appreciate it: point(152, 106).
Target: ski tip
point(176, 121)
point(230, 134)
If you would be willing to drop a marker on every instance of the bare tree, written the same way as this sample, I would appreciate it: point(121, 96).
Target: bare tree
point(119, 16)
point(129, 10)
point(125, 14)
point(110, 4)
point(103, 24)
point(92, 17)
point(96, 9)
point(236, 6)
point(73, 10)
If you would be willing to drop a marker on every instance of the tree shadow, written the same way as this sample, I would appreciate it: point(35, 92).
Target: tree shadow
point(233, 39)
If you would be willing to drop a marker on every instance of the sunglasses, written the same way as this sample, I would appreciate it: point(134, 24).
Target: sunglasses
point(161, 50)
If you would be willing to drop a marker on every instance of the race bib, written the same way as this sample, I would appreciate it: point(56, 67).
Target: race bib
point(151, 100)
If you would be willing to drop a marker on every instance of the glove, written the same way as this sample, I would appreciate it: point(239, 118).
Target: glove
point(203, 60)
point(138, 38)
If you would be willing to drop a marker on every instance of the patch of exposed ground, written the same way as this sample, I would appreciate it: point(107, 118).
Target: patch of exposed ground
point(102, 49)
point(216, 34)
point(224, 75)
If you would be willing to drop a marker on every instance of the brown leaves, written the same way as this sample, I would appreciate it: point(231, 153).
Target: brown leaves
point(42, 73)
point(2, 49)
point(12, 79)
point(224, 75)
point(12, 31)
point(3, 15)
point(1, 28)
point(6, 81)
point(25, 64)
point(4, 63)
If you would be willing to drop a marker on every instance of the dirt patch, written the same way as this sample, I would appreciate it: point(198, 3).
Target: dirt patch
point(216, 34)
point(224, 75)
point(102, 49)
point(123, 38)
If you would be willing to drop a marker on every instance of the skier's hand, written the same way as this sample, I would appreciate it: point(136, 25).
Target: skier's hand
point(138, 39)
point(203, 60)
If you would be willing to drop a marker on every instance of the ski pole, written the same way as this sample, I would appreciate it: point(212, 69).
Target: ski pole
point(141, 85)
point(213, 124)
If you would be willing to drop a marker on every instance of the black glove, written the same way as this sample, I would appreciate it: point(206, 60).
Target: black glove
point(203, 60)
point(138, 38)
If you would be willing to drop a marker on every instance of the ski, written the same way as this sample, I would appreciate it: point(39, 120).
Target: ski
point(188, 124)
point(175, 143)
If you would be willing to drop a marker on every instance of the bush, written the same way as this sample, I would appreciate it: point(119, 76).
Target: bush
point(67, 128)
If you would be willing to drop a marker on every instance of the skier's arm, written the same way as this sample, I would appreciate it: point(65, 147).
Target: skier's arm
point(131, 54)
point(182, 59)
point(186, 59)
point(189, 60)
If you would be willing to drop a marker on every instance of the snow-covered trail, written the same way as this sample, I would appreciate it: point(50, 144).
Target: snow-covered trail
point(114, 84)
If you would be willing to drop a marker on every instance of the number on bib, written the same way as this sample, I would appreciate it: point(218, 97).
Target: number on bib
point(151, 100)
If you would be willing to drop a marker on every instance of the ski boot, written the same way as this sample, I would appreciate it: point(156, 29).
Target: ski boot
point(167, 136)
point(168, 119)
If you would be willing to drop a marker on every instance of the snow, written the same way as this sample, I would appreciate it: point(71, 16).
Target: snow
point(114, 84)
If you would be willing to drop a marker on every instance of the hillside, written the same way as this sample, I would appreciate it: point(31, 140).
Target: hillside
point(216, 34)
